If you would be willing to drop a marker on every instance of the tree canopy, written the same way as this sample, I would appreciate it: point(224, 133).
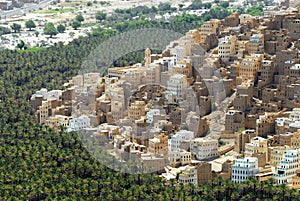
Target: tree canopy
point(100, 16)
point(61, 28)
point(224, 4)
point(76, 24)
point(4, 30)
point(50, 29)
point(16, 27)
point(255, 11)
point(30, 24)
point(21, 44)
point(79, 18)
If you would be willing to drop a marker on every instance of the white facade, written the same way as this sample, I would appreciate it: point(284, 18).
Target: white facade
point(79, 123)
point(180, 155)
point(293, 121)
point(177, 86)
point(179, 53)
point(110, 129)
point(188, 175)
point(244, 168)
point(53, 94)
point(287, 167)
point(180, 140)
point(169, 61)
point(295, 114)
point(151, 113)
point(202, 148)
point(226, 47)
point(281, 121)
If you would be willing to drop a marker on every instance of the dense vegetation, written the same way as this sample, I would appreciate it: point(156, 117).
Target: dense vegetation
point(255, 11)
point(4, 30)
point(38, 163)
point(181, 23)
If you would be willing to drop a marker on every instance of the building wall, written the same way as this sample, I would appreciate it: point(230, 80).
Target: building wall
point(281, 57)
point(204, 172)
point(188, 175)
point(57, 121)
point(209, 27)
point(277, 154)
point(226, 48)
point(257, 145)
point(265, 125)
point(295, 140)
point(243, 169)
point(177, 86)
point(292, 24)
point(159, 145)
point(243, 137)
point(232, 20)
point(249, 66)
point(181, 138)
point(256, 44)
point(136, 110)
point(296, 179)
point(36, 101)
point(234, 121)
point(180, 156)
point(266, 73)
point(287, 167)
point(68, 95)
point(204, 148)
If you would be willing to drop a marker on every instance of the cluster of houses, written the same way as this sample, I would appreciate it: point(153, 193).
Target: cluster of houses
point(157, 111)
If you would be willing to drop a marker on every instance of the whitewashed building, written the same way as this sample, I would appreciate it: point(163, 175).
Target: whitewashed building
point(180, 156)
point(287, 167)
point(204, 148)
point(291, 123)
point(180, 140)
point(188, 175)
point(177, 87)
point(244, 168)
point(151, 113)
point(226, 47)
point(79, 123)
point(53, 94)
